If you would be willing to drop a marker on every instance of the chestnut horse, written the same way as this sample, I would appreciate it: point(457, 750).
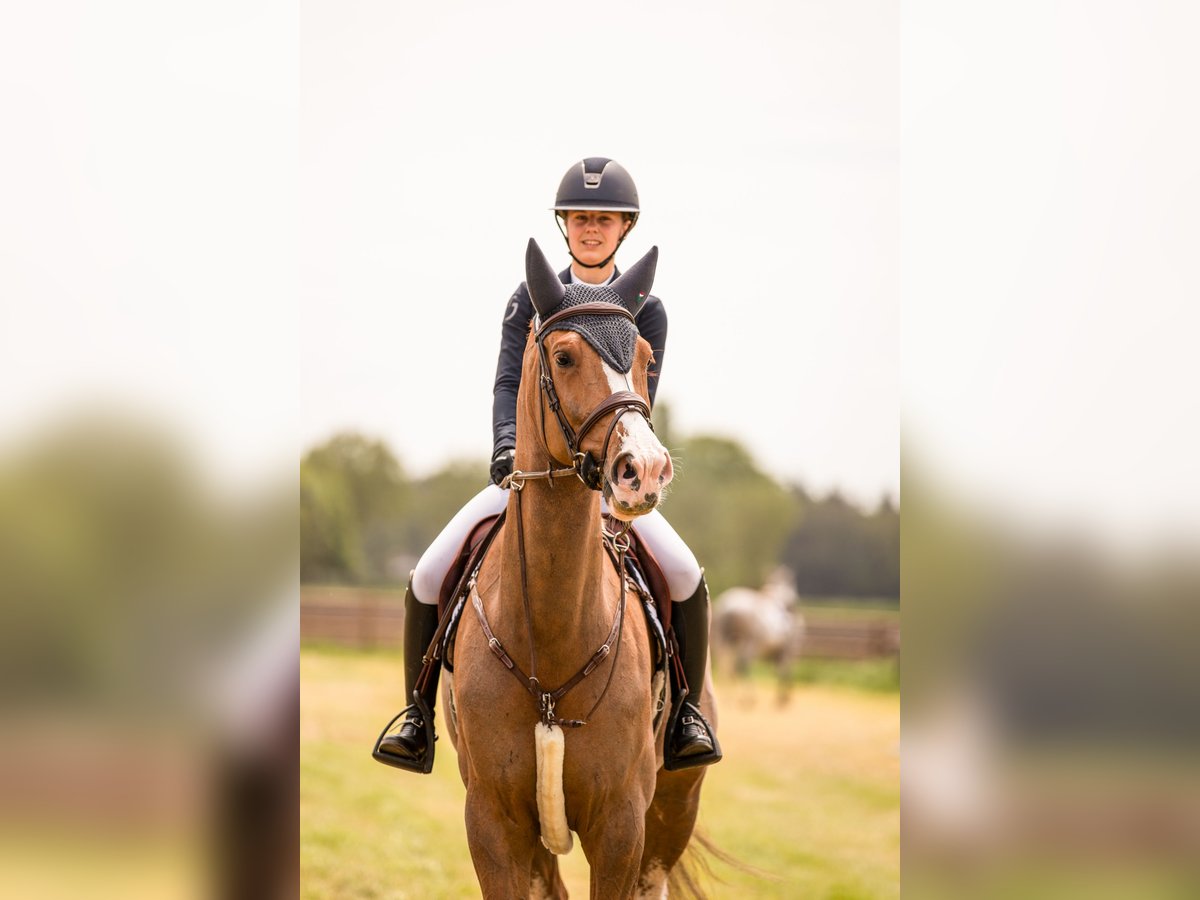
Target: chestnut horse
point(538, 761)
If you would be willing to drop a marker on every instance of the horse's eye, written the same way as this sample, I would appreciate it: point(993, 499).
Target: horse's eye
point(650, 364)
point(562, 360)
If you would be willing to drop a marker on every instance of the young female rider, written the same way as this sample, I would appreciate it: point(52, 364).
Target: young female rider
point(598, 204)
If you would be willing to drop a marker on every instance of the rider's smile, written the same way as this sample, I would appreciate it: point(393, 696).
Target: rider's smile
point(593, 235)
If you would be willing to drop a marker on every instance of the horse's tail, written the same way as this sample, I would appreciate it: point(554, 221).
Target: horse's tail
point(695, 867)
point(552, 805)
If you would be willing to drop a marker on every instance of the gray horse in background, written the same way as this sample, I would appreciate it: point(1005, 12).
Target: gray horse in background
point(752, 625)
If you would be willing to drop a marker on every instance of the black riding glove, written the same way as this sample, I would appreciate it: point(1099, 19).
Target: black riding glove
point(502, 464)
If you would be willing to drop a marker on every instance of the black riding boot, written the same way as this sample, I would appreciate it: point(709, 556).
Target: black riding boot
point(691, 741)
point(412, 746)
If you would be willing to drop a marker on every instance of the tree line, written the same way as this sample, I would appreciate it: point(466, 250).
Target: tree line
point(364, 520)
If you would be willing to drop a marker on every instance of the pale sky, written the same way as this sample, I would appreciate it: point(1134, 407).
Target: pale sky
point(1050, 286)
point(148, 236)
point(262, 224)
point(185, 183)
point(764, 140)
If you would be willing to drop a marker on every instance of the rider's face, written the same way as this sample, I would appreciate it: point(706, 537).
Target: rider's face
point(593, 234)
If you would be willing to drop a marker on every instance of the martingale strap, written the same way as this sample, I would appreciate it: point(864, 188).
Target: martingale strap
point(547, 700)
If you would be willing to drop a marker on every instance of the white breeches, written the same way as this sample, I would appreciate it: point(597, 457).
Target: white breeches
point(436, 560)
point(677, 561)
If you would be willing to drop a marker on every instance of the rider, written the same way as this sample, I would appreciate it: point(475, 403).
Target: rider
point(595, 209)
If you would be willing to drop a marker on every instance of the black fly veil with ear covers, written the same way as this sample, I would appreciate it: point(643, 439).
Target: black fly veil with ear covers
point(613, 337)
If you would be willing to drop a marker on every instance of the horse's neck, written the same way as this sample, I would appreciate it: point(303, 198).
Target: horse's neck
point(563, 556)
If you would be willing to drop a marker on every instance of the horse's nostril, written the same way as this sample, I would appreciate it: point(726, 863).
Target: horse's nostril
point(622, 469)
point(652, 498)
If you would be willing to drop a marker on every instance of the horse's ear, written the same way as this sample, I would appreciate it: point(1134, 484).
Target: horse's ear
point(635, 283)
point(545, 290)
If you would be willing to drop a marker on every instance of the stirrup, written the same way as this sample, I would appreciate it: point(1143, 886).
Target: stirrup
point(674, 763)
point(423, 766)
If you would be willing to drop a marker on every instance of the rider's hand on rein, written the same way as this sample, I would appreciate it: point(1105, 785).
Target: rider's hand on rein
point(502, 465)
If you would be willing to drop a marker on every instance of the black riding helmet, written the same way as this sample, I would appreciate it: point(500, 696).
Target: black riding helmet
point(596, 183)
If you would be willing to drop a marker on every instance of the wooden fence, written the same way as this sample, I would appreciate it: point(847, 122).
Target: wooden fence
point(362, 618)
point(366, 619)
point(851, 638)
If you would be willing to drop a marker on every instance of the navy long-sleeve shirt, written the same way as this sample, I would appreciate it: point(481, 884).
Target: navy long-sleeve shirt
point(652, 325)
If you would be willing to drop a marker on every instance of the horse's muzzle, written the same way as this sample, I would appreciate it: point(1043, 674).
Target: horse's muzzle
point(637, 479)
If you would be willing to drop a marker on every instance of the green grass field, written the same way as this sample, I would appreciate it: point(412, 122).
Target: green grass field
point(808, 794)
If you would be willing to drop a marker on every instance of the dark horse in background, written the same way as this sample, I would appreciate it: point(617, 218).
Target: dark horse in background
point(570, 744)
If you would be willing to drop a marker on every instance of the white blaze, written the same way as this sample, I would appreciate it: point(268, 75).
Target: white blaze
point(638, 436)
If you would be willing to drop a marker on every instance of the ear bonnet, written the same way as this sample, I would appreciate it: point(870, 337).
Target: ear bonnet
point(613, 337)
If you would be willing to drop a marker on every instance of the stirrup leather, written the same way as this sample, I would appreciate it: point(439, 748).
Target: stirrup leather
point(423, 766)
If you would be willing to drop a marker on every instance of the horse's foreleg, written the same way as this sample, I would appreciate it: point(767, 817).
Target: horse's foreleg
point(786, 675)
point(547, 882)
point(613, 847)
point(502, 852)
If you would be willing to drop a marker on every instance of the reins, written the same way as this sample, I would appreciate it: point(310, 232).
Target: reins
point(590, 473)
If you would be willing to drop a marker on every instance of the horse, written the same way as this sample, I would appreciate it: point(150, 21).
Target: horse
point(750, 625)
point(538, 762)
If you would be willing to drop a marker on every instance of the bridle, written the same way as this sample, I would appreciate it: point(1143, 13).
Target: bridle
point(583, 463)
